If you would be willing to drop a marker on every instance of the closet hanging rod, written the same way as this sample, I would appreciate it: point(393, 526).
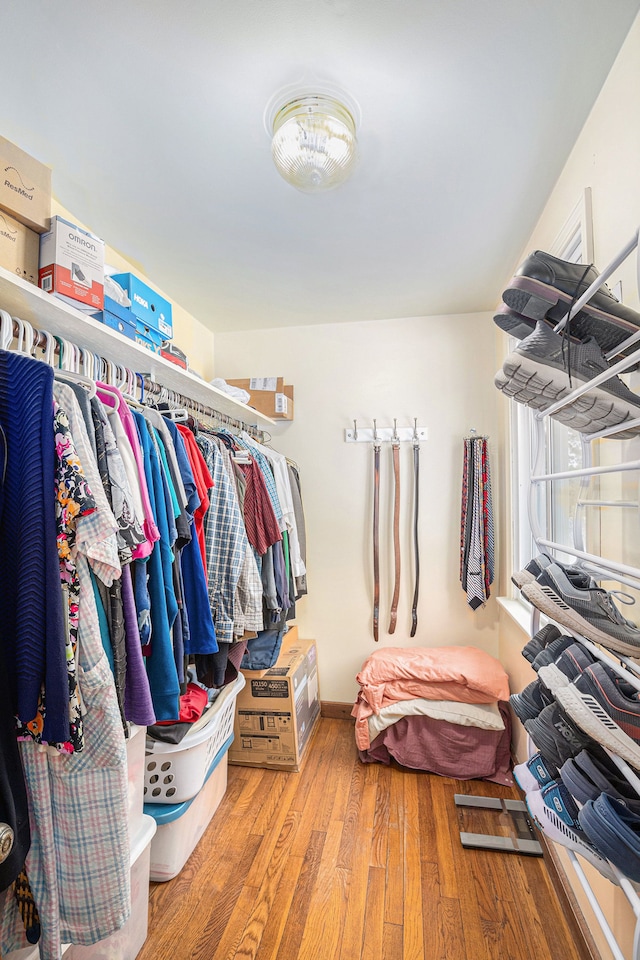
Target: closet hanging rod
point(156, 389)
point(600, 279)
point(40, 341)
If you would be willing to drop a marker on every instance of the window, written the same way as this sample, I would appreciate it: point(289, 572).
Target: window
point(558, 502)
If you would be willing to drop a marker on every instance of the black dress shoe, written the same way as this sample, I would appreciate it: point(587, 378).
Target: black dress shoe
point(544, 287)
point(513, 323)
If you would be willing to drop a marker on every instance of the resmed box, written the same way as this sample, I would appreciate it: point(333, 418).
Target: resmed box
point(19, 247)
point(269, 395)
point(72, 265)
point(278, 709)
point(25, 187)
point(147, 304)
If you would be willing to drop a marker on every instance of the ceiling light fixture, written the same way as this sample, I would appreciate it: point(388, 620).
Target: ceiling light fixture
point(313, 140)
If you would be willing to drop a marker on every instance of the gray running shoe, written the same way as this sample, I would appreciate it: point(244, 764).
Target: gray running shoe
point(536, 374)
point(535, 567)
point(540, 641)
point(569, 665)
point(590, 612)
point(607, 708)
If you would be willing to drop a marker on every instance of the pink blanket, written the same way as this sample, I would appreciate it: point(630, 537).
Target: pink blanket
point(465, 674)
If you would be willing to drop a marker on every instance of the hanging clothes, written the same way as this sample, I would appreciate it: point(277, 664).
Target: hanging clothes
point(477, 546)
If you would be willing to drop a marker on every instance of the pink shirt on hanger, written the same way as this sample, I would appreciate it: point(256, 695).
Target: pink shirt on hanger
point(109, 395)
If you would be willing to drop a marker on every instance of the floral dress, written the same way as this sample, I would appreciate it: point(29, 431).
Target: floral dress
point(73, 499)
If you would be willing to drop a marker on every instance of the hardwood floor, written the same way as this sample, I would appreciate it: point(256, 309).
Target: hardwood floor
point(347, 861)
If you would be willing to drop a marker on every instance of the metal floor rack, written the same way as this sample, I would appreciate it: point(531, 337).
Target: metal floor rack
point(598, 567)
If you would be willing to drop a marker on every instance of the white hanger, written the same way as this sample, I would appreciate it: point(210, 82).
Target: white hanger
point(6, 330)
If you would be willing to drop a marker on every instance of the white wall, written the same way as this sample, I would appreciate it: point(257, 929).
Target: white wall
point(438, 369)
point(606, 157)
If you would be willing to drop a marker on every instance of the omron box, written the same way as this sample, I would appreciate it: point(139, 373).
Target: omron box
point(147, 305)
point(277, 710)
point(25, 187)
point(18, 248)
point(72, 265)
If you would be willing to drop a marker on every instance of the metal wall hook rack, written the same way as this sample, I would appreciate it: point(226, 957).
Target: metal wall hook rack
point(378, 435)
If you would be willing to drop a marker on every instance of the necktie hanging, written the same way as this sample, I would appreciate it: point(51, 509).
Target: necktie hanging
point(476, 525)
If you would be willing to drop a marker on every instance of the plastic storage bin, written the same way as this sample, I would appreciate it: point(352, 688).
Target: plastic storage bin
point(135, 777)
point(176, 772)
point(126, 943)
point(181, 825)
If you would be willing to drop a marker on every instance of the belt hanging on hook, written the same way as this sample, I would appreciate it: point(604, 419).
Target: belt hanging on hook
point(376, 527)
point(416, 545)
point(395, 446)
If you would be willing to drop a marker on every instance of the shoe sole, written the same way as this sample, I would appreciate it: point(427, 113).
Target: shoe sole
point(529, 381)
point(525, 779)
point(538, 301)
point(553, 678)
point(522, 577)
point(594, 720)
point(557, 830)
point(549, 602)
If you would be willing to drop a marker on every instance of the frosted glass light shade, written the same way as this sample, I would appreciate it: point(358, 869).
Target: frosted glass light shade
point(314, 143)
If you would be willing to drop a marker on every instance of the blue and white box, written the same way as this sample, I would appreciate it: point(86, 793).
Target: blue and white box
point(147, 305)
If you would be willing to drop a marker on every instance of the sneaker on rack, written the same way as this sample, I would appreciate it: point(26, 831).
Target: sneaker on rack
point(535, 773)
point(613, 827)
point(556, 736)
point(545, 287)
point(544, 368)
point(552, 652)
point(556, 815)
point(529, 702)
point(514, 323)
point(586, 777)
point(607, 708)
point(569, 665)
point(590, 611)
point(538, 642)
point(535, 567)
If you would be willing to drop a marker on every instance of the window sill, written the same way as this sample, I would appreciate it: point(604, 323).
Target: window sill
point(519, 613)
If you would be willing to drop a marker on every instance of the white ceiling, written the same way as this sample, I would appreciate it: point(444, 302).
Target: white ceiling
point(151, 115)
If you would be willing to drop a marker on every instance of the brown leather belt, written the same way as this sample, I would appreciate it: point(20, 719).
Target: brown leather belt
point(376, 546)
point(396, 535)
point(416, 547)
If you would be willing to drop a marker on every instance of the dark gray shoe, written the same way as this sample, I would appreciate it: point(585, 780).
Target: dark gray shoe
point(536, 374)
point(535, 567)
point(544, 286)
point(512, 323)
point(589, 612)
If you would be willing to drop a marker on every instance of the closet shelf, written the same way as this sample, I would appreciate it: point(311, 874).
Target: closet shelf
point(45, 312)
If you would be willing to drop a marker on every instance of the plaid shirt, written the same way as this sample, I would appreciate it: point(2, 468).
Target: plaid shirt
point(225, 541)
point(269, 479)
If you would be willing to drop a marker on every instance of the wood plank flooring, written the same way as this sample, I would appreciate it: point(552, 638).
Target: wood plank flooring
point(347, 861)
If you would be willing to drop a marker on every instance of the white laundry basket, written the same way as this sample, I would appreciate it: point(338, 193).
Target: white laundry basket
point(176, 771)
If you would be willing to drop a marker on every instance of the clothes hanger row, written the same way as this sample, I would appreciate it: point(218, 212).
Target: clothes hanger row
point(74, 363)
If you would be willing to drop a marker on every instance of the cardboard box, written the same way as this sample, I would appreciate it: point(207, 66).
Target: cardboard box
point(147, 305)
point(277, 710)
point(25, 187)
point(269, 395)
point(19, 248)
point(72, 265)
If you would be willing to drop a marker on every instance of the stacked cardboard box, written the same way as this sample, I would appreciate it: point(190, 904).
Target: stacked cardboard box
point(277, 710)
point(269, 395)
point(25, 209)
